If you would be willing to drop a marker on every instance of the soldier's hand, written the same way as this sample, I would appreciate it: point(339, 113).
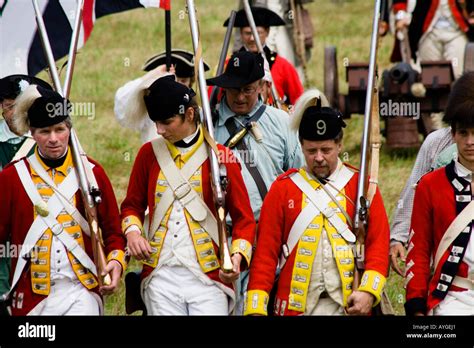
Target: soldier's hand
point(360, 303)
point(138, 247)
point(234, 275)
point(397, 251)
point(402, 23)
point(114, 269)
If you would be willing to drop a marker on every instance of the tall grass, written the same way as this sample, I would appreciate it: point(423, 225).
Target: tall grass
point(120, 44)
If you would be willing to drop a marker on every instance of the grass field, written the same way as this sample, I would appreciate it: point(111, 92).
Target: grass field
point(121, 43)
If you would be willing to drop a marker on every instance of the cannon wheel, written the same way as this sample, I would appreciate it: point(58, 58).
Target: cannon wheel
point(469, 57)
point(331, 86)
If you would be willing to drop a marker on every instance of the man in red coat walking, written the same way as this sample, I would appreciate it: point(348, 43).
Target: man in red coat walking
point(442, 224)
point(42, 218)
point(305, 228)
point(437, 29)
point(285, 77)
point(171, 177)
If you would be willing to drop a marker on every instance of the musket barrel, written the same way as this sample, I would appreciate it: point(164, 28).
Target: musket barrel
point(203, 93)
point(361, 186)
point(223, 56)
point(47, 47)
point(225, 45)
point(253, 27)
point(219, 196)
point(73, 48)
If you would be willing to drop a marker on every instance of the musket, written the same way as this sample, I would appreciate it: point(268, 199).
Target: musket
point(362, 199)
point(218, 171)
point(89, 188)
point(298, 36)
point(253, 27)
point(168, 38)
point(222, 57)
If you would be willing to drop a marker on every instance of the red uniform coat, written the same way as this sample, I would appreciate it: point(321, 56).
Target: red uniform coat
point(16, 217)
point(434, 209)
point(423, 15)
point(277, 218)
point(141, 194)
point(286, 80)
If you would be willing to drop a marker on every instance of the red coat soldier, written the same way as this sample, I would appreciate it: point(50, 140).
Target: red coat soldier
point(307, 231)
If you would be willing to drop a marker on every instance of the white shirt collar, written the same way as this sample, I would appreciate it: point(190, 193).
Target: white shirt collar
point(187, 140)
point(462, 171)
point(5, 132)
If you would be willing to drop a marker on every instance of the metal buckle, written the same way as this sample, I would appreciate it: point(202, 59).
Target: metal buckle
point(182, 190)
point(57, 229)
point(329, 212)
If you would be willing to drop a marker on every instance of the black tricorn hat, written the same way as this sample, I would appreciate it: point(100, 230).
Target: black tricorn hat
point(165, 98)
point(262, 16)
point(182, 60)
point(11, 86)
point(243, 68)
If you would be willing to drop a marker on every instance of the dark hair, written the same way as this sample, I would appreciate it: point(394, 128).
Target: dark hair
point(460, 109)
point(192, 104)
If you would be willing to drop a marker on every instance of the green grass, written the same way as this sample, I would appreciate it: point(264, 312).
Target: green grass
point(121, 43)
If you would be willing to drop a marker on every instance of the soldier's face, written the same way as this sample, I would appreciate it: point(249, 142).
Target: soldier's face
point(321, 156)
point(184, 81)
point(53, 140)
point(7, 111)
point(241, 101)
point(176, 128)
point(464, 139)
point(249, 40)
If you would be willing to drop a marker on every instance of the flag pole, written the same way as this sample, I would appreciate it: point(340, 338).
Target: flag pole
point(168, 35)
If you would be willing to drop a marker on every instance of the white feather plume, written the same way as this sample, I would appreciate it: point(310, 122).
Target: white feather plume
point(307, 99)
point(130, 108)
point(23, 84)
point(21, 123)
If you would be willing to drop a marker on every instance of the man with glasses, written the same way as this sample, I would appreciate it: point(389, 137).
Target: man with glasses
point(285, 77)
point(259, 134)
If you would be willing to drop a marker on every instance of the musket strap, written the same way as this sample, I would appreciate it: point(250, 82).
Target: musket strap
point(180, 189)
point(252, 169)
point(24, 149)
point(375, 143)
point(233, 129)
point(68, 187)
point(210, 141)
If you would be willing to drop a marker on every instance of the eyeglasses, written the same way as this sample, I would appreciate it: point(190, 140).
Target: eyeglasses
point(248, 91)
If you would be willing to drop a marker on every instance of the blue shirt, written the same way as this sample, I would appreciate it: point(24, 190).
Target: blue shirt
point(279, 150)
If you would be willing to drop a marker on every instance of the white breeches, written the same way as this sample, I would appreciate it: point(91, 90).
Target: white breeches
point(456, 303)
point(441, 44)
point(175, 290)
point(69, 297)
